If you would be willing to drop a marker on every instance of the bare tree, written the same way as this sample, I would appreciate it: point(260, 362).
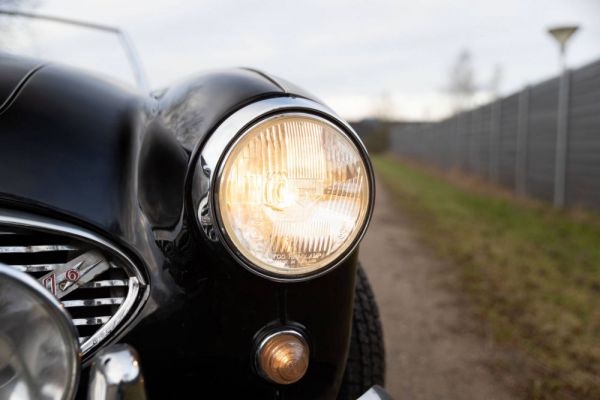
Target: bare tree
point(377, 139)
point(461, 85)
point(384, 108)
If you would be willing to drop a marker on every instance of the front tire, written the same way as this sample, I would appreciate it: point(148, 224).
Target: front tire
point(366, 359)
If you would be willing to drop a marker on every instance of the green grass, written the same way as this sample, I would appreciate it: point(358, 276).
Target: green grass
point(531, 271)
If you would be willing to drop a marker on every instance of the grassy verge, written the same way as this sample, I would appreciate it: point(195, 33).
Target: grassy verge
point(532, 272)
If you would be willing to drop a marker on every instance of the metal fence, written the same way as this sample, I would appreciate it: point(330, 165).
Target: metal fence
point(542, 142)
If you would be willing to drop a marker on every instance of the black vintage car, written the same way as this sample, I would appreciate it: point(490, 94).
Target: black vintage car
point(204, 237)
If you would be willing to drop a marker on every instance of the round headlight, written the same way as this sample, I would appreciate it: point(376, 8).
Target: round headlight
point(39, 352)
point(292, 194)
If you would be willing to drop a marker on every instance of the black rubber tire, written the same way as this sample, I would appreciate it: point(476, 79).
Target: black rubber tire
point(366, 360)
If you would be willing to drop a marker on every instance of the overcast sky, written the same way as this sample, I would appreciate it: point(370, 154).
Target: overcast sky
point(348, 53)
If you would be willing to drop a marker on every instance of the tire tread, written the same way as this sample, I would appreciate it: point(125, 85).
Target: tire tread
point(366, 359)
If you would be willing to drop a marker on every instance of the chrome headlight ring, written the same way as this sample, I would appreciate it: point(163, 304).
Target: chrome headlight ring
point(209, 162)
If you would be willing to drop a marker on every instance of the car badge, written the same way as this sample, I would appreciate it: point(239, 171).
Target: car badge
point(69, 276)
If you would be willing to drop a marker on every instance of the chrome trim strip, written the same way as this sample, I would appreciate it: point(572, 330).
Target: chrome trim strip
point(136, 282)
point(209, 159)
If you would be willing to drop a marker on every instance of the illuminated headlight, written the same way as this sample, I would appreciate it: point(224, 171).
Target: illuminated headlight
point(292, 194)
point(39, 352)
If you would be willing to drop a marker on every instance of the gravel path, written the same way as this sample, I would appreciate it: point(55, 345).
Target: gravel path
point(432, 346)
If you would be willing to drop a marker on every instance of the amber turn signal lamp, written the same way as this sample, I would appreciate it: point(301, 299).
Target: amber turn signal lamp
point(282, 357)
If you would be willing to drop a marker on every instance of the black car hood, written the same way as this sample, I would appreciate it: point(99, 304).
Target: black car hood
point(78, 147)
point(66, 143)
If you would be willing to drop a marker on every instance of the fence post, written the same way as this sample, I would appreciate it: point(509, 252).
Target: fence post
point(494, 140)
point(561, 140)
point(473, 143)
point(521, 143)
point(456, 163)
point(469, 141)
point(459, 142)
point(465, 142)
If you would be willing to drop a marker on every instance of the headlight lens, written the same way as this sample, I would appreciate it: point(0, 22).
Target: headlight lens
point(39, 353)
point(293, 194)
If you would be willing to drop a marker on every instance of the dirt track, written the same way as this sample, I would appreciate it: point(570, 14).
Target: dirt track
point(432, 345)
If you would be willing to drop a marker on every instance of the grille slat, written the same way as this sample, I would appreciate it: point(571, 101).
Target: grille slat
point(35, 249)
point(97, 289)
point(91, 321)
point(108, 301)
point(36, 267)
point(47, 268)
point(104, 284)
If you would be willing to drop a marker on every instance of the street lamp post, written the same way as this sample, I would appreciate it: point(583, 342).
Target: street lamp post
point(562, 34)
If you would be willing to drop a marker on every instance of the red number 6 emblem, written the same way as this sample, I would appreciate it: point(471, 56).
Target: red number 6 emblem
point(72, 275)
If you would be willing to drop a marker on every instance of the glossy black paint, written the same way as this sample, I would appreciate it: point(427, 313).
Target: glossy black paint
point(69, 149)
point(161, 177)
point(77, 148)
point(15, 72)
point(194, 108)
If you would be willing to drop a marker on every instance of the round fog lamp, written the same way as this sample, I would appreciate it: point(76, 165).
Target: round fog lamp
point(293, 195)
point(282, 357)
point(39, 352)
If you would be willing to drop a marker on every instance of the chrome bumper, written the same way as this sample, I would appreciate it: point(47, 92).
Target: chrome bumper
point(375, 393)
point(116, 375)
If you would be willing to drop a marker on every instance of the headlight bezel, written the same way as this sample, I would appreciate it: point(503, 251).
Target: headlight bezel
point(209, 159)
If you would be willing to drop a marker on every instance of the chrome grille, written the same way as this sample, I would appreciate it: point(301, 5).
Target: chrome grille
point(99, 295)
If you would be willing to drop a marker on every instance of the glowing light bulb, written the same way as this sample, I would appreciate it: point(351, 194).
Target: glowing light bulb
point(293, 194)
